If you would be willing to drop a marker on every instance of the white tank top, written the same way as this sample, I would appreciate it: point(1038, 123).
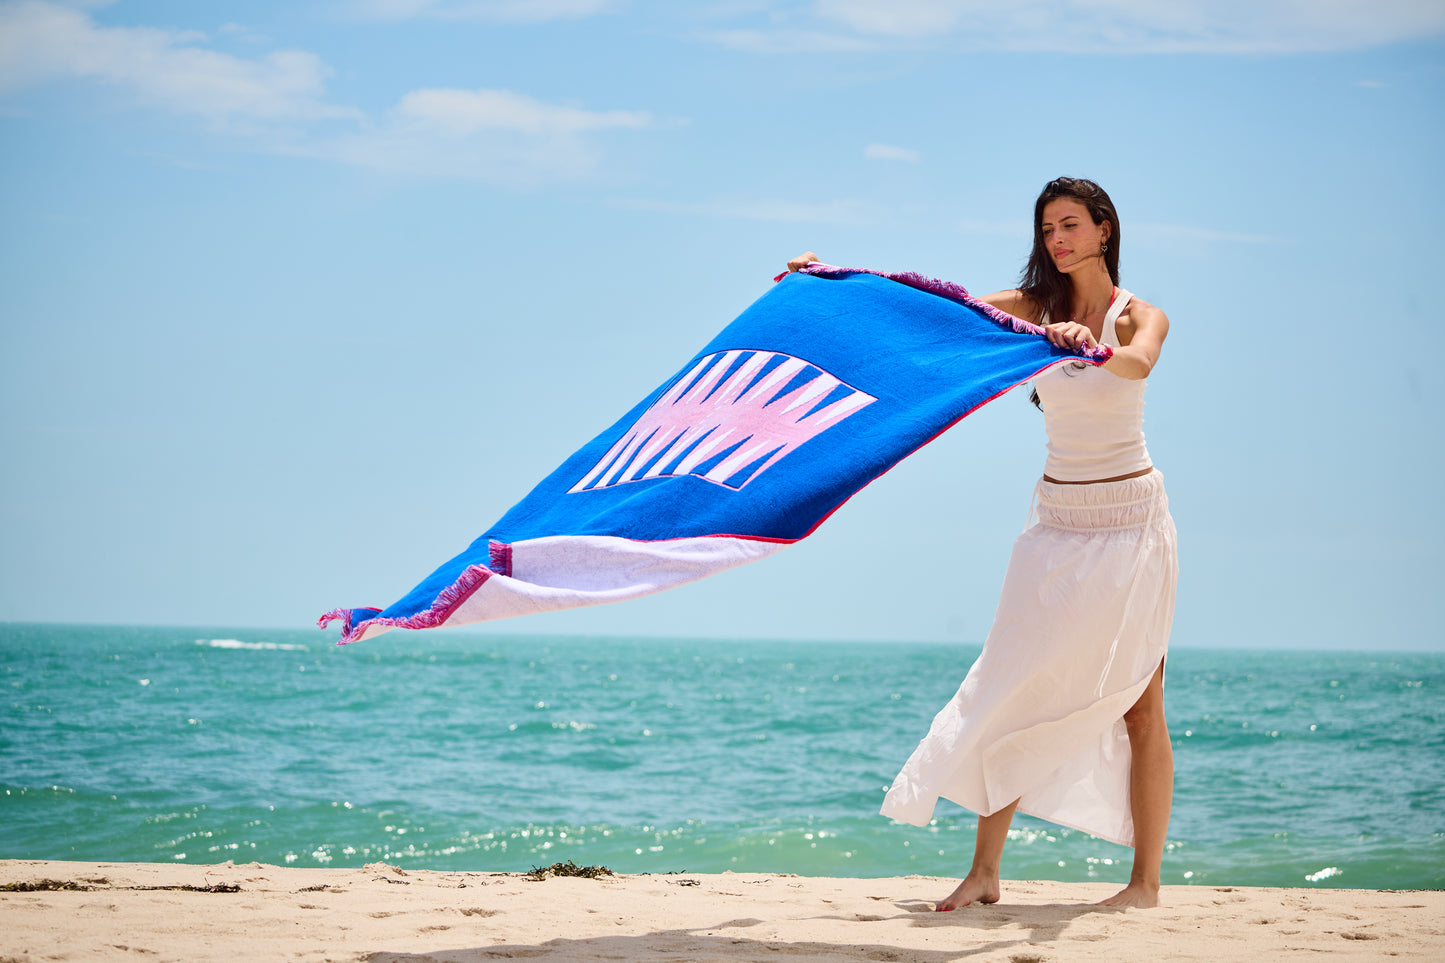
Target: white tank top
point(1094, 418)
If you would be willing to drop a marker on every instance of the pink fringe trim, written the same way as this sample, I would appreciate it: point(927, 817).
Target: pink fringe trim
point(501, 556)
point(447, 602)
point(1098, 353)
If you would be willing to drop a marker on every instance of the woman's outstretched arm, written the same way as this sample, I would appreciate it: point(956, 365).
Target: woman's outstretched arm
point(1014, 302)
point(1141, 331)
point(1142, 338)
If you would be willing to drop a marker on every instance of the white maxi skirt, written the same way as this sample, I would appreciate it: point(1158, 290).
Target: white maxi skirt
point(1082, 625)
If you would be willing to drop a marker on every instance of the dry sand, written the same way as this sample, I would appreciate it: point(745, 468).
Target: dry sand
point(153, 912)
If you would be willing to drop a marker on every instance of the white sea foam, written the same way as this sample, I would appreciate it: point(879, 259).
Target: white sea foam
point(238, 644)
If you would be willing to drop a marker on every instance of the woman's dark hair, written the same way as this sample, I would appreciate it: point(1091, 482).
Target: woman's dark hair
point(1041, 280)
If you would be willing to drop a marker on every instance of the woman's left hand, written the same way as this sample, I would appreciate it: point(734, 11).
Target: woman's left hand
point(1070, 335)
point(802, 261)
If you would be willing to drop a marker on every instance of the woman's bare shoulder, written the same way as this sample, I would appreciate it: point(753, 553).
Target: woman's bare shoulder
point(1015, 302)
point(1142, 313)
point(1140, 318)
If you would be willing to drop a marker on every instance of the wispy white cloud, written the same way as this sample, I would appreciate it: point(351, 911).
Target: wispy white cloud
point(470, 111)
point(1118, 26)
point(503, 11)
point(787, 41)
point(1181, 232)
point(278, 102)
point(897, 18)
point(242, 33)
point(497, 136)
point(44, 42)
point(1016, 228)
point(841, 211)
point(890, 152)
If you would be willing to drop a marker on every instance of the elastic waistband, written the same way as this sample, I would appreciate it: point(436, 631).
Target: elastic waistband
point(1126, 491)
point(1102, 506)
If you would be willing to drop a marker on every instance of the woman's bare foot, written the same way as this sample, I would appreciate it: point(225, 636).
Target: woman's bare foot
point(973, 889)
point(1138, 895)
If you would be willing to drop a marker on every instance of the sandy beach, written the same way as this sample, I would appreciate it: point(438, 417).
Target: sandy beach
point(380, 914)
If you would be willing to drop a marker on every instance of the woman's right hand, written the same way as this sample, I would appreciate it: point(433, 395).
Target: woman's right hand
point(1070, 335)
point(802, 261)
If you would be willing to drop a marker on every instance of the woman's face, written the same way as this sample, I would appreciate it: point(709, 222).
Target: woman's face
point(1071, 237)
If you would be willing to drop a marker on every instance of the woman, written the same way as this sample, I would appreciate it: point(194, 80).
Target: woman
point(1062, 715)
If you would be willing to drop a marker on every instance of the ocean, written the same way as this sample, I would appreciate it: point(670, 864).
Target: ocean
point(495, 752)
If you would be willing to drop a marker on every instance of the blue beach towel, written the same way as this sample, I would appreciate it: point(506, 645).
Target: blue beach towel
point(823, 384)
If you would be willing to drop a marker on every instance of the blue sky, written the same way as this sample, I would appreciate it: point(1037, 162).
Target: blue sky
point(297, 298)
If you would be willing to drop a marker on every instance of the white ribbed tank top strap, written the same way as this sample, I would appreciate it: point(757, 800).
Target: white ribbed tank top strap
point(1107, 334)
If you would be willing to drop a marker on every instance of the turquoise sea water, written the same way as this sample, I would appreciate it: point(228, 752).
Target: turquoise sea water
point(496, 752)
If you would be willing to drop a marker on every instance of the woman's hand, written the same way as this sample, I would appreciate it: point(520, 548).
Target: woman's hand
point(1070, 335)
point(801, 261)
